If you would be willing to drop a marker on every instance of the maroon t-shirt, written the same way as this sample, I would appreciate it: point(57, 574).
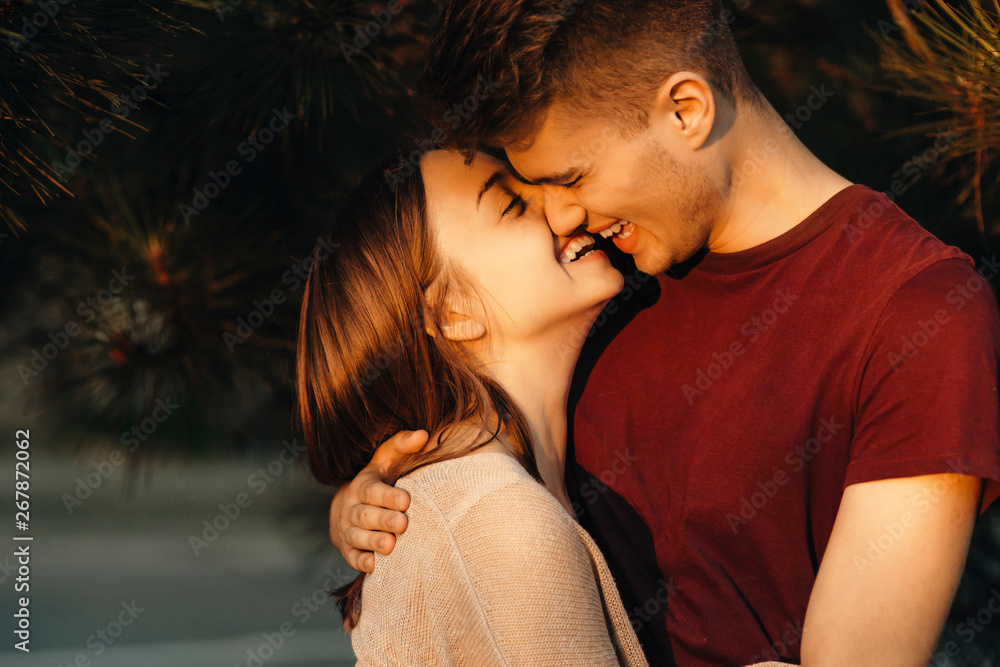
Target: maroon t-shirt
point(722, 408)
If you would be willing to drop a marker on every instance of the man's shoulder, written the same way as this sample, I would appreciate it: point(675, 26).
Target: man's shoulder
point(871, 230)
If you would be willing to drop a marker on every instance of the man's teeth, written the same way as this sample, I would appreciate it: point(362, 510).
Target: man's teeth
point(612, 230)
point(574, 247)
point(617, 227)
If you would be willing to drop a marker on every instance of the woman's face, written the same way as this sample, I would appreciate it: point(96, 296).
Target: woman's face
point(492, 227)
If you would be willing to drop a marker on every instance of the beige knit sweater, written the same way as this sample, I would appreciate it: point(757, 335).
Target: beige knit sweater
point(491, 570)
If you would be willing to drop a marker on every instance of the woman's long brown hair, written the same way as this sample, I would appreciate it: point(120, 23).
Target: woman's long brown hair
point(366, 365)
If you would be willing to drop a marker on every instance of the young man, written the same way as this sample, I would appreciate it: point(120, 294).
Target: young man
point(780, 441)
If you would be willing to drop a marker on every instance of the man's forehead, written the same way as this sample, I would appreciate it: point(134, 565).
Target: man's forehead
point(547, 177)
point(555, 151)
point(543, 167)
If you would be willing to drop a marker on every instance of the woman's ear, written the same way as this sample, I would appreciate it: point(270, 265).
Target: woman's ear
point(458, 327)
point(455, 323)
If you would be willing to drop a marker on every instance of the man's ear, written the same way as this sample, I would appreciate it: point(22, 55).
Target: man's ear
point(685, 104)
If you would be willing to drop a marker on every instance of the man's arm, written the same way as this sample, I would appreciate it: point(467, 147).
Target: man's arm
point(925, 437)
point(890, 571)
point(367, 514)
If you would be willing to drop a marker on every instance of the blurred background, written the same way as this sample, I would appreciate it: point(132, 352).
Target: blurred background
point(166, 166)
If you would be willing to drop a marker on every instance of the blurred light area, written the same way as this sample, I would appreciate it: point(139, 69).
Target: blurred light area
point(217, 608)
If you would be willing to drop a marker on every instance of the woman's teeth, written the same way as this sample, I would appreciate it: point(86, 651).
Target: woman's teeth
point(619, 226)
point(573, 248)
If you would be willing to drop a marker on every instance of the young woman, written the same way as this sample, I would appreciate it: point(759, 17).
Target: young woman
point(450, 306)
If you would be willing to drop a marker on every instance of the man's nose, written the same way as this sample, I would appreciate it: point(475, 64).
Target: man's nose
point(562, 210)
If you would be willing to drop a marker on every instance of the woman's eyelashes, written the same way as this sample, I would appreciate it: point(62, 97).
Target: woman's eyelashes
point(516, 200)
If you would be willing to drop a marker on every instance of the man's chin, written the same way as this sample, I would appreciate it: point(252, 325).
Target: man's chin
point(652, 264)
point(658, 260)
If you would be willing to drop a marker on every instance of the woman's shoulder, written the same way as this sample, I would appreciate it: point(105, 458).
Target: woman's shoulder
point(487, 481)
point(482, 459)
point(481, 528)
point(461, 507)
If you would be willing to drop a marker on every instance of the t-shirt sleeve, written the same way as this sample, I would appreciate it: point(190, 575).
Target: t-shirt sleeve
point(533, 579)
point(927, 401)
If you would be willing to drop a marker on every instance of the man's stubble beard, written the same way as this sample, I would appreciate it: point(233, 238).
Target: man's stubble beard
point(695, 204)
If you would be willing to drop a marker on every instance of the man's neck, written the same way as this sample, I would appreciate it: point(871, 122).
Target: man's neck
point(776, 184)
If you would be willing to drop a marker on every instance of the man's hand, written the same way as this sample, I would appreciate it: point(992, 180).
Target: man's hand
point(890, 571)
point(365, 513)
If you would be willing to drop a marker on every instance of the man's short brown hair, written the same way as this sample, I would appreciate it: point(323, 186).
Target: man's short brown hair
point(496, 65)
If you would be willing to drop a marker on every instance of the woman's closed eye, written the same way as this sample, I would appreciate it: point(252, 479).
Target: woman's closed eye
point(516, 200)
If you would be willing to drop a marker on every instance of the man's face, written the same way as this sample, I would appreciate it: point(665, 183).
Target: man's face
point(646, 188)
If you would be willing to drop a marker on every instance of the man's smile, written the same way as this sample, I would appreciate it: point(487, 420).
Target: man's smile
point(622, 229)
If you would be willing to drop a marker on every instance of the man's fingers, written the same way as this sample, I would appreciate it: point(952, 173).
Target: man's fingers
point(362, 561)
point(373, 492)
point(372, 509)
point(398, 446)
point(370, 517)
point(370, 483)
point(370, 540)
point(336, 511)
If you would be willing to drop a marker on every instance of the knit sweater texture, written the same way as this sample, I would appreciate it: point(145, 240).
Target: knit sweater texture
point(491, 570)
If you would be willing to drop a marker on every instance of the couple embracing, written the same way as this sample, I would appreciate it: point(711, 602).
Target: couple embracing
point(745, 459)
